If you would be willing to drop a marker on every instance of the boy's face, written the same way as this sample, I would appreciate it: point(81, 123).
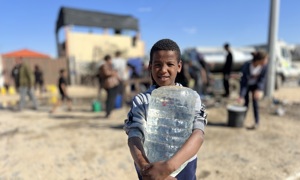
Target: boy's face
point(164, 67)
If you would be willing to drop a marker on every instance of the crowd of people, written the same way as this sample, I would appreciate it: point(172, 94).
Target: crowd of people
point(112, 75)
point(115, 72)
point(30, 82)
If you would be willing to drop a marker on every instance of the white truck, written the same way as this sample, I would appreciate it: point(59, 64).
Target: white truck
point(284, 66)
point(215, 58)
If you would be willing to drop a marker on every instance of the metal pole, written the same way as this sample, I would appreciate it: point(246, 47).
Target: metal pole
point(273, 31)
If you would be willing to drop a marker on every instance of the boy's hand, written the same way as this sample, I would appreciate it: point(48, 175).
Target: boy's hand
point(158, 171)
point(145, 167)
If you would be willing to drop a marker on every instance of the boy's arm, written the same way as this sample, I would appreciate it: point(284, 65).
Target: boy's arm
point(162, 169)
point(194, 142)
point(135, 127)
point(188, 150)
point(137, 152)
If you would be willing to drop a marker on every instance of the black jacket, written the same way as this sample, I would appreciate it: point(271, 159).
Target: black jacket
point(228, 64)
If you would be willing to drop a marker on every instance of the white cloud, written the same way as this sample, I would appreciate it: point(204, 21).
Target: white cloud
point(145, 9)
point(190, 30)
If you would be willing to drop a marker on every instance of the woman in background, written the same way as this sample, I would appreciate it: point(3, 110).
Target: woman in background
point(253, 80)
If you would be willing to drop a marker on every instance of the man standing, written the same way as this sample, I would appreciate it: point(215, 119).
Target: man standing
point(227, 69)
point(15, 75)
point(25, 79)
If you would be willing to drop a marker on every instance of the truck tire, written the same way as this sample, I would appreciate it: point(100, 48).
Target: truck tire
point(278, 81)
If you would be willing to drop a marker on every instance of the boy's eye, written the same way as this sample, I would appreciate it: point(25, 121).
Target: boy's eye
point(157, 65)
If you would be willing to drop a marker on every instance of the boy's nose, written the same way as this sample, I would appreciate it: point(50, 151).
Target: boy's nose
point(164, 68)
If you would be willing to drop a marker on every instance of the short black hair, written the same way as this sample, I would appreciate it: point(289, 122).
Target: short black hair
point(226, 45)
point(167, 45)
point(107, 57)
point(61, 71)
point(118, 53)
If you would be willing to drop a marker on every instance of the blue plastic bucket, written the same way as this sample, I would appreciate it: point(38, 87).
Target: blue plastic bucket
point(118, 102)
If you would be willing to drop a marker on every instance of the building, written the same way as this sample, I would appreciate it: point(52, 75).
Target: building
point(116, 33)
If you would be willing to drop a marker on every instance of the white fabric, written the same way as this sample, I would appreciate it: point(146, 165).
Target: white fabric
point(254, 73)
point(120, 65)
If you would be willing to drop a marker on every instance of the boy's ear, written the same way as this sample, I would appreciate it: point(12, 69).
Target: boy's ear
point(179, 66)
point(149, 67)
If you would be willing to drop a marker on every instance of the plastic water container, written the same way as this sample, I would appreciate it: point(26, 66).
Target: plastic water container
point(96, 106)
point(118, 101)
point(170, 121)
point(236, 115)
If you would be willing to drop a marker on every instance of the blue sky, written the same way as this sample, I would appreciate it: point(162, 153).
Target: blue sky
point(30, 24)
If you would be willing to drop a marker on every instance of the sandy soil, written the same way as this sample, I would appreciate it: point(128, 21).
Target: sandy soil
point(83, 145)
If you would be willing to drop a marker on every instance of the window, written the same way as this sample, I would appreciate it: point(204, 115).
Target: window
point(285, 53)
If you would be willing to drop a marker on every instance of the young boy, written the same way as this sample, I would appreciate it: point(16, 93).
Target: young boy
point(164, 65)
point(62, 86)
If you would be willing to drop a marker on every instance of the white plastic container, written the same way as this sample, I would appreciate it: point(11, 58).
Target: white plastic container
point(170, 121)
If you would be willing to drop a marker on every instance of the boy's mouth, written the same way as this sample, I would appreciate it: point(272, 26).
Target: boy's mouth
point(163, 78)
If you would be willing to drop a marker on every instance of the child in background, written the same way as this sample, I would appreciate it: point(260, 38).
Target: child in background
point(164, 65)
point(253, 80)
point(62, 86)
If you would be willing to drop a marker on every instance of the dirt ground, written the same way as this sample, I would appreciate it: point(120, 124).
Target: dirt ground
point(83, 145)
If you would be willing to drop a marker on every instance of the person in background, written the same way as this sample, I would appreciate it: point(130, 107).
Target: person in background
point(25, 82)
point(120, 65)
point(100, 79)
point(111, 83)
point(253, 81)
point(39, 79)
point(15, 74)
point(6, 83)
point(164, 65)
point(227, 69)
point(62, 87)
point(205, 73)
point(133, 76)
point(183, 76)
point(197, 72)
